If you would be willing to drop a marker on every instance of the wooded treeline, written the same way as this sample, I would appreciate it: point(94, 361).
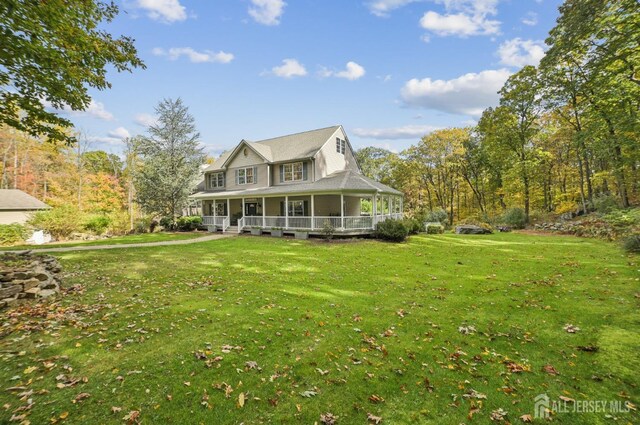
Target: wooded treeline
point(564, 138)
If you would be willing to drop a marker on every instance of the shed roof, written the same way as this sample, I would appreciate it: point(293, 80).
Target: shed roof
point(15, 200)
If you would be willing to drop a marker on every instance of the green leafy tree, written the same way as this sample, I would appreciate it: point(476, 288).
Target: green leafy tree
point(171, 159)
point(52, 52)
point(376, 163)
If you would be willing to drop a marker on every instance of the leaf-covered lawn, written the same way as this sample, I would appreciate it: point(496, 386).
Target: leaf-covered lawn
point(116, 240)
point(443, 329)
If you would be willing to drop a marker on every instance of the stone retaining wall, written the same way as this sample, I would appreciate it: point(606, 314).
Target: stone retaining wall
point(26, 276)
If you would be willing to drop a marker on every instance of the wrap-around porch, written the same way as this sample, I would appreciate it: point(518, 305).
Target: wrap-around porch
point(347, 213)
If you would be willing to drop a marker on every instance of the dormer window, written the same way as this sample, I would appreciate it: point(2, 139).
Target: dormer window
point(340, 145)
point(216, 180)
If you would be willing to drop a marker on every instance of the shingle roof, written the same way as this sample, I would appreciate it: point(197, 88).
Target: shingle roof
point(339, 181)
point(285, 148)
point(14, 199)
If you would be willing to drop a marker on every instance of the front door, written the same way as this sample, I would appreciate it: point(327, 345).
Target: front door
point(251, 209)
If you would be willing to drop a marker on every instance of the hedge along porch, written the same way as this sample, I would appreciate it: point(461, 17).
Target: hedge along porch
point(359, 214)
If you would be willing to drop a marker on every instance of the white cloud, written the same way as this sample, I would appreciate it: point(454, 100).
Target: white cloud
point(120, 132)
point(94, 110)
point(167, 11)
point(145, 120)
point(289, 68)
point(518, 52)
point(194, 56)
point(383, 7)
point(395, 133)
point(531, 19)
point(113, 137)
point(468, 94)
point(353, 71)
point(267, 12)
point(463, 18)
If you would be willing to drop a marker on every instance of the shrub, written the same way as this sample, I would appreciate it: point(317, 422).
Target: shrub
point(11, 234)
point(631, 244)
point(328, 230)
point(414, 226)
point(188, 224)
point(97, 224)
point(435, 228)
point(436, 216)
point(392, 230)
point(605, 203)
point(515, 217)
point(119, 223)
point(59, 222)
point(143, 225)
point(166, 223)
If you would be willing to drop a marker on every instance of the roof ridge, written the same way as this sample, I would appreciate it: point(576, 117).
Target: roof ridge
point(298, 133)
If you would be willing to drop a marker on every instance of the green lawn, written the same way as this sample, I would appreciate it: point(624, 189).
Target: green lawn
point(184, 334)
point(116, 240)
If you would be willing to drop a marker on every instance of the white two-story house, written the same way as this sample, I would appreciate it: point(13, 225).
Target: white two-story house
point(296, 182)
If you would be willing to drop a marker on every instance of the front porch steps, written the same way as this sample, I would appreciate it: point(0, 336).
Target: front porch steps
point(231, 229)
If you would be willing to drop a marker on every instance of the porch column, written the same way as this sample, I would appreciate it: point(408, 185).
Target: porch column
point(213, 206)
point(286, 211)
point(229, 209)
point(242, 207)
point(374, 211)
point(342, 211)
point(312, 211)
point(264, 208)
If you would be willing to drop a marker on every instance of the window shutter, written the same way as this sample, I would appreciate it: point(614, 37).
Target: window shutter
point(255, 175)
point(281, 208)
point(281, 173)
point(304, 171)
point(237, 180)
point(224, 179)
point(305, 208)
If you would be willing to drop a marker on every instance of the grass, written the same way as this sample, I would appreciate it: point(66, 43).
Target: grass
point(116, 240)
point(183, 334)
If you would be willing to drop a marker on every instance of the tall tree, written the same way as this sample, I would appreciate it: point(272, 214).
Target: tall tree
point(376, 163)
point(51, 52)
point(171, 159)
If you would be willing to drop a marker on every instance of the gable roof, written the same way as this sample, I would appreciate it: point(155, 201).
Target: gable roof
point(284, 148)
point(14, 199)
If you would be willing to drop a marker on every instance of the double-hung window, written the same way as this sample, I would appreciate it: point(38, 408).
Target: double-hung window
point(340, 145)
point(293, 172)
point(296, 208)
point(246, 175)
point(216, 180)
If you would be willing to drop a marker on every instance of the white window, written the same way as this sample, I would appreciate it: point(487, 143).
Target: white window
point(293, 172)
point(246, 175)
point(216, 180)
point(296, 208)
point(340, 145)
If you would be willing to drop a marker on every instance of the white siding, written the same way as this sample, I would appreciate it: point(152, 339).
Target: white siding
point(11, 217)
point(240, 160)
point(262, 179)
point(328, 160)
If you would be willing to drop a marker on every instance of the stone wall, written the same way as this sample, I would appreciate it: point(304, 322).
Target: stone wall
point(27, 276)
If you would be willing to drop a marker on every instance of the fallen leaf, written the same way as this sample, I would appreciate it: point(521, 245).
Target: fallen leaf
point(526, 418)
point(241, 400)
point(132, 417)
point(376, 399)
point(374, 419)
point(116, 409)
point(550, 370)
point(328, 418)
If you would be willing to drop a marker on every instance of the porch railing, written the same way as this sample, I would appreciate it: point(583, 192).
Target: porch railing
point(345, 223)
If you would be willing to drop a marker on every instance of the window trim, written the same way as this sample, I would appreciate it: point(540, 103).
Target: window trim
point(291, 209)
point(292, 172)
point(341, 145)
point(218, 176)
point(242, 176)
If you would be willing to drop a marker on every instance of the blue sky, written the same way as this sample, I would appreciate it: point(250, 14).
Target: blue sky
point(389, 71)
